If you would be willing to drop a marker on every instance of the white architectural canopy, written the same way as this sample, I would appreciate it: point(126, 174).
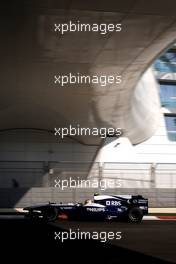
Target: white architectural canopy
point(32, 53)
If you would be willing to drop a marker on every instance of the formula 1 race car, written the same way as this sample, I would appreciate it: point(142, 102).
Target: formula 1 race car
point(103, 207)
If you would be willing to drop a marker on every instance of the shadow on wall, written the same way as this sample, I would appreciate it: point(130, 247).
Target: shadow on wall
point(9, 197)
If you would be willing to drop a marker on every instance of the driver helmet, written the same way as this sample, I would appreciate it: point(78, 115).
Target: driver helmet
point(88, 201)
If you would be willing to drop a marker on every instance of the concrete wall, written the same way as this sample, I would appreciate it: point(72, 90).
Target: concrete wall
point(36, 145)
point(31, 161)
point(24, 197)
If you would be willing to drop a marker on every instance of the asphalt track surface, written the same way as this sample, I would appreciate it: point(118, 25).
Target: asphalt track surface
point(148, 242)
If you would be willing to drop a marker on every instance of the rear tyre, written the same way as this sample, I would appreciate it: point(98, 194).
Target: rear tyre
point(50, 214)
point(135, 215)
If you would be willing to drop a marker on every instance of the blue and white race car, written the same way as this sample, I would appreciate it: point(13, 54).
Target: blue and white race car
point(103, 207)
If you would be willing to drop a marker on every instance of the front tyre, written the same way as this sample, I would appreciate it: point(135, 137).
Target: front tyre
point(135, 215)
point(32, 215)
